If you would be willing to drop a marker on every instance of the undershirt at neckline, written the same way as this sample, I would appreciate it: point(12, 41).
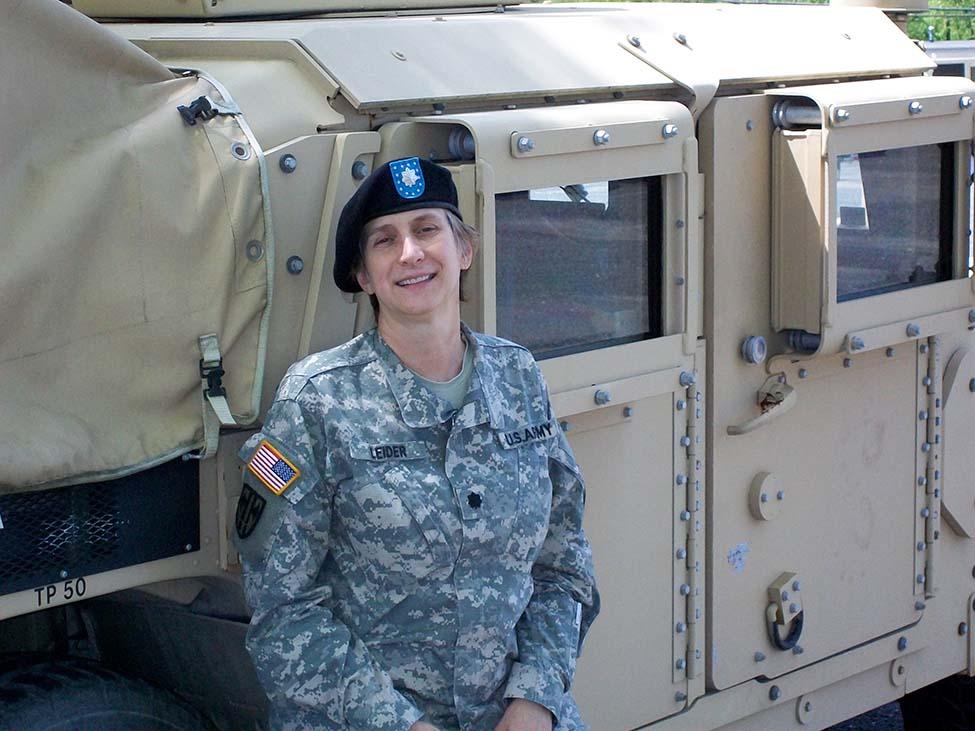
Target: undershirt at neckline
point(454, 390)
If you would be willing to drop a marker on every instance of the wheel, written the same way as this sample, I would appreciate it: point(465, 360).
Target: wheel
point(948, 705)
point(75, 695)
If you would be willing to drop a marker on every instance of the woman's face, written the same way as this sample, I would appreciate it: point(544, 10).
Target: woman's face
point(412, 262)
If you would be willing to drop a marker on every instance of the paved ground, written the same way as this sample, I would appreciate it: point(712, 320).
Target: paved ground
point(885, 718)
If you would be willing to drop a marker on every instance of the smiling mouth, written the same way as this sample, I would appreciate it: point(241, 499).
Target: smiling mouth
point(414, 280)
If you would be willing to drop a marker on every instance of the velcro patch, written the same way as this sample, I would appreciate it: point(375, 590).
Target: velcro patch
point(525, 435)
point(272, 468)
point(390, 452)
point(250, 507)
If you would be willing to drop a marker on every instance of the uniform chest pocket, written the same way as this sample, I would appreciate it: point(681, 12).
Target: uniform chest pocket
point(390, 526)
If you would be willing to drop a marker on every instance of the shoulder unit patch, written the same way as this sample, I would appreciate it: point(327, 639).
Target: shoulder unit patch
point(272, 468)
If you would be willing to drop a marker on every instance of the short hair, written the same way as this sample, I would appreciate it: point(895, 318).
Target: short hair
point(462, 232)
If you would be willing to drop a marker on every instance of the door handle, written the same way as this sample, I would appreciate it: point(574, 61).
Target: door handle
point(775, 398)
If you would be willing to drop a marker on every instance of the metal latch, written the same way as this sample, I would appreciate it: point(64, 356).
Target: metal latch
point(784, 612)
point(775, 398)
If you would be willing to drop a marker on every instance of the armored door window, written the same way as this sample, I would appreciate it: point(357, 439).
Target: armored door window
point(895, 213)
point(579, 265)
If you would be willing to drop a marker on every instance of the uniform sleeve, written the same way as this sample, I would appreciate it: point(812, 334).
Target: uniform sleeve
point(565, 600)
point(305, 658)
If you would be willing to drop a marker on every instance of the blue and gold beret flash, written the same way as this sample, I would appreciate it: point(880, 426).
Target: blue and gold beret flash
point(397, 186)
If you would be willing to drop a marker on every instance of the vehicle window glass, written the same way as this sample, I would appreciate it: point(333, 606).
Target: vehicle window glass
point(579, 266)
point(895, 211)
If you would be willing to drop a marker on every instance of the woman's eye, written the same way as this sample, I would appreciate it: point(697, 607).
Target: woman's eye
point(381, 241)
point(428, 229)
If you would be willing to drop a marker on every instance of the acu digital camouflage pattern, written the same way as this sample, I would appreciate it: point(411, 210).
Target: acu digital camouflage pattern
point(423, 565)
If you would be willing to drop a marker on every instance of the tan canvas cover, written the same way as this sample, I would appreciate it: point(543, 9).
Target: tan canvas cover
point(124, 239)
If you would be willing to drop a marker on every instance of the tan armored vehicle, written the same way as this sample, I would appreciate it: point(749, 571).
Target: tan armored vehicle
point(737, 239)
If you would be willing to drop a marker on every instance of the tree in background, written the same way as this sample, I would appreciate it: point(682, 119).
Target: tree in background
point(954, 22)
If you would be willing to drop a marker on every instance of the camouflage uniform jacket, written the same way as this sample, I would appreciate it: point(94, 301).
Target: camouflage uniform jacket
point(405, 560)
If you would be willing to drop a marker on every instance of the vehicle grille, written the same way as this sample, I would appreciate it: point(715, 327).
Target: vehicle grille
point(73, 531)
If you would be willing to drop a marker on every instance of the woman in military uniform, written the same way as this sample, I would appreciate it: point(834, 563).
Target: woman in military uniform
point(411, 521)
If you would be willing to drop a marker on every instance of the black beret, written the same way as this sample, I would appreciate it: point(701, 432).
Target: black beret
point(394, 187)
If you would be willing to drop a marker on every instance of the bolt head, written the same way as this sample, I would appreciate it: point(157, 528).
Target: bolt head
point(669, 130)
point(680, 628)
point(602, 397)
point(920, 546)
point(857, 343)
point(889, 352)
point(681, 663)
point(971, 385)
point(681, 404)
point(680, 479)
point(913, 330)
point(763, 497)
point(627, 412)
point(600, 137)
point(803, 373)
point(963, 628)
point(919, 606)
point(965, 102)
point(902, 644)
point(685, 589)
point(360, 170)
point(797, 650)
point(793, 608)
point(795, 585)
point(842, 115)
point(774, 693)
point(680, 696)
point(64, 573)
point(847, 362)
point(759, 657)
point(780, 495)
point(526, 144)
point(915, 107)
point(687, 379)
point(754, 349)
point(681, 553)
point(920, 578)
point(680, 38)
point(634, 41)
point(295, 264)
point(288, 163)
point(565, 426)
point(684, 515)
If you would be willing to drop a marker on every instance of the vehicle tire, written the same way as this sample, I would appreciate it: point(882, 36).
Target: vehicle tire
point(76, 695)
point(948, 705)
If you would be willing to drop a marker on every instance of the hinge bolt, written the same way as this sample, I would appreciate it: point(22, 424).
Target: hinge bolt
point(926, 381)
point(923, 415)
point(685, 590)
point(681, 663)
point(920, 546)
point(902, 644)
point(680, 627)
point(913, 330)
point(682, 553)
point(685, 515)
point(680, 479)
point(920, 578)
point(681, 404)
point(685, 441)
point(687, 379)
point(925, 513)
point(926, 447)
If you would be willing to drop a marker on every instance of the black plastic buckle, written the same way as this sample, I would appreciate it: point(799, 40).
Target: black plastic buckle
point(200, 108)
point(213, 376)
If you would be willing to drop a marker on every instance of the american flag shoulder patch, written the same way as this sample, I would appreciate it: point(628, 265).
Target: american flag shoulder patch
point(272, 468)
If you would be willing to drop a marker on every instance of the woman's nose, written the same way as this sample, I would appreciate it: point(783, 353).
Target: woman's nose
point(411, 252)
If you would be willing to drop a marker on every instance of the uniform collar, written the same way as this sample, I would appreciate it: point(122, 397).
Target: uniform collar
point(420, 408)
